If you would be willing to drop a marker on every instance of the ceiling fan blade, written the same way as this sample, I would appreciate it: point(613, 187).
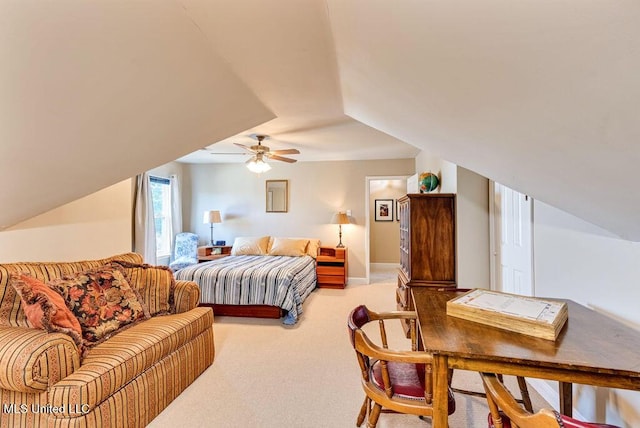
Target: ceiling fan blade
point(211, 152)
point(286, 152)
point(245, 147)
point(280, 158)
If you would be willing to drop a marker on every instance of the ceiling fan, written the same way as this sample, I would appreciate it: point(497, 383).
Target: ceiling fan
point(257, 162)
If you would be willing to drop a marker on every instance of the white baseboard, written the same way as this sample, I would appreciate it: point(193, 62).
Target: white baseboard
point(551, 395)
point(385, 265)
point(356, 281)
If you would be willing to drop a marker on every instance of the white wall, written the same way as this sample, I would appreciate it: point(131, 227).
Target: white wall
point(473, 230)
point(96, 226)
point(582, 262)
point(316, 191)
point(446, 172)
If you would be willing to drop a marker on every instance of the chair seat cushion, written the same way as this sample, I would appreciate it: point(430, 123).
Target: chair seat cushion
point(407, 380)
point(573, 423)
point(567, 422)
point(506, 422)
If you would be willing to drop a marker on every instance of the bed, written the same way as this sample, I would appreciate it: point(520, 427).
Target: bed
point(271, 278)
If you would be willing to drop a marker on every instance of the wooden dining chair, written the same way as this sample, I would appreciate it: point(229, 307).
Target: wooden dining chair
point(506, 412)
point(393, 380)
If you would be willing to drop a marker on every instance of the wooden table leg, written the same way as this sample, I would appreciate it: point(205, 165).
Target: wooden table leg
point(566, 398)
point(440, 391)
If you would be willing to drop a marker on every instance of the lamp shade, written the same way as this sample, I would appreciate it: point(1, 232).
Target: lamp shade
point(340, 218)
point(212, 216)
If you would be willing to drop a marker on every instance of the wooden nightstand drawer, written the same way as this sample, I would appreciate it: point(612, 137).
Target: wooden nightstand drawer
point(330, 279)
point(331, 270)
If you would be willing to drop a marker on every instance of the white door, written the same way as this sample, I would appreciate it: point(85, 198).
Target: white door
point(512, 234)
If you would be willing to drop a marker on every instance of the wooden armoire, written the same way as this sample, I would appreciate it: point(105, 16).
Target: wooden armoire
point(427, 244)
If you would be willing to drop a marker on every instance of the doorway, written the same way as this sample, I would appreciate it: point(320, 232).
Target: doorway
point(511, 240)
point(379, 236)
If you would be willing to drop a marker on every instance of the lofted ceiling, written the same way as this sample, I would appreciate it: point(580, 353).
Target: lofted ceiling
point(540, 95)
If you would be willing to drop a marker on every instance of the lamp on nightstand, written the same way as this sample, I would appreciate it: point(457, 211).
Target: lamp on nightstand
point(212, 217)
point(340, 218)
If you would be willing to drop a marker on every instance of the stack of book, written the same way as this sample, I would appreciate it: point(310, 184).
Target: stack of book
point(522, 314)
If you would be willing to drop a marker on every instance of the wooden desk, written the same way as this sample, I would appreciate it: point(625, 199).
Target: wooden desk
point(592, 349)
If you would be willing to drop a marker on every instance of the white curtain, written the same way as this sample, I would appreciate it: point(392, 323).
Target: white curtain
point(144, 228)
point(176, 209)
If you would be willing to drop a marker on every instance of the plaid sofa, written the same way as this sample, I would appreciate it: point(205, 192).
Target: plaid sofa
point(124, 381)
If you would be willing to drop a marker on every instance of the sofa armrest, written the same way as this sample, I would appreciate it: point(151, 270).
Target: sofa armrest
point(31, 359)
point(186, 296)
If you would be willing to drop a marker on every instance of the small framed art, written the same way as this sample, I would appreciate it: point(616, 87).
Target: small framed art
point(383, 209)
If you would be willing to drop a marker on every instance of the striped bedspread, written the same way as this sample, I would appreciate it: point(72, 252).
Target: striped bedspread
point(255, 280)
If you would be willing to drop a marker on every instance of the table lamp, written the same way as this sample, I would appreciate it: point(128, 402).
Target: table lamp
point(212, 217)
point(340, 218)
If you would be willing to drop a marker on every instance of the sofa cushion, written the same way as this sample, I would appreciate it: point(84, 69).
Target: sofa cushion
point(154, 283)
point(102, 301)
point(11, 313)
point(112, 364)
point(45, 308)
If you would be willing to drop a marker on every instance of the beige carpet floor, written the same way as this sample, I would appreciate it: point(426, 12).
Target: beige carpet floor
point(267, 375)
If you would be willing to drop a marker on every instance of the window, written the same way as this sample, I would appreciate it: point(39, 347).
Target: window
point(161, 196)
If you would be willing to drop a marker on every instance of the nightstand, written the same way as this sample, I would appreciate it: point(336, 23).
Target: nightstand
point(213, 252)
point(332, 267)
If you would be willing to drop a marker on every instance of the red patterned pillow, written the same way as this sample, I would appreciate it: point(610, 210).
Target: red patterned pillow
point(102, 301)
point(45, 308)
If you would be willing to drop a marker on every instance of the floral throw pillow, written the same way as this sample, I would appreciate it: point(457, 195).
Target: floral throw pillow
point(102, 300)
point(45, 308)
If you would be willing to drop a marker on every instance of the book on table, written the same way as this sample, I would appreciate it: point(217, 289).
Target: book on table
point(533, 316)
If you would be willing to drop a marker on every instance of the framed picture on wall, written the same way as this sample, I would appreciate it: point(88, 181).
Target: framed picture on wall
point(383, 210)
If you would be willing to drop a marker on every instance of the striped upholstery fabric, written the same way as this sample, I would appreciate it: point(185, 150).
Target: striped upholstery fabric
point(147, 395)
point(123, 382)
point(186, 296)
point(114, 363)
point(34, 360)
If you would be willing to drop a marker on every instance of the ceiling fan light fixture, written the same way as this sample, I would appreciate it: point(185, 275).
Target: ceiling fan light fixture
point(258, 165)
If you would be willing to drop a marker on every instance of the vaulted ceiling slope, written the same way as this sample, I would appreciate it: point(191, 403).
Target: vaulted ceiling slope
point(94, 92)
point(539, 95)
point(542, 96)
